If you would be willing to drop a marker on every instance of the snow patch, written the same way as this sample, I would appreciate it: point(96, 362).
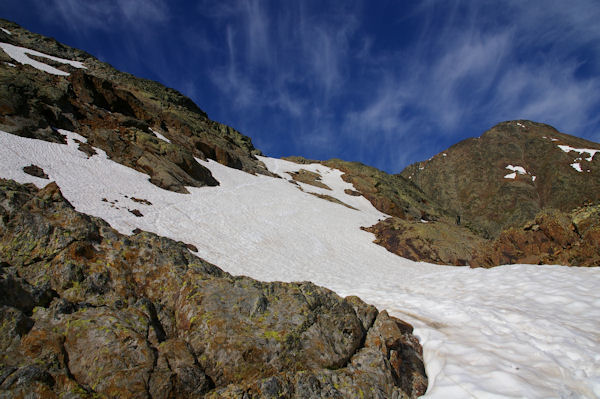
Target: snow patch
point(511, 331)
point(581, 151)
point(20, 54)
point(444, 154)
point(6, 31)
point(160, 136)
point(576, 166)
point(533, 178)
point(520, 124)
point(10, 64)
point(516, 170)
point(519, 169)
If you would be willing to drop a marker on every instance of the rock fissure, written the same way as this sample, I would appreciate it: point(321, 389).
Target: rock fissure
point(154, 361)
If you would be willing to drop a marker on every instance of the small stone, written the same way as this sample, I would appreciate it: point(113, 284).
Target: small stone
point(36, 171)
point(136, 212)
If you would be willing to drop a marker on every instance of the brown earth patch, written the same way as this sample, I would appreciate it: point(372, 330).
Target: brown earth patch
point(308, 177)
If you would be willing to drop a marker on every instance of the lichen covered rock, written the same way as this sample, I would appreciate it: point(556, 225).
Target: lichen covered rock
point(89, 312)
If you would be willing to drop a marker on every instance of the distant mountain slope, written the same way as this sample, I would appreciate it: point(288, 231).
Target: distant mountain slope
point(514, 170)
point(475, 203)
point(390, 194)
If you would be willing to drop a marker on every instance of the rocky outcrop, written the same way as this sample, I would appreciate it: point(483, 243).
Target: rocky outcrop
point(439, 241)
point(88, 312)
point(553, 237)
point(308, 177)
point(36, 171)
point(117, 113)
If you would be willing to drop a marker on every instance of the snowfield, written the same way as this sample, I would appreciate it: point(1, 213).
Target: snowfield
point(512, 331)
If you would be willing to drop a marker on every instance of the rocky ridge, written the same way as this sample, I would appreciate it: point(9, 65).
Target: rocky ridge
point(552, 237)
point(138, 122)
point(88, 312)
point(390, 194)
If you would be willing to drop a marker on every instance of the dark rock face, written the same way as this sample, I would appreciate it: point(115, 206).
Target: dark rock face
point(117, 112)
point(89, 312)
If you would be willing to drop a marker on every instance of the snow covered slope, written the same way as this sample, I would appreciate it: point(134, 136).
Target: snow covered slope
point(512, 331)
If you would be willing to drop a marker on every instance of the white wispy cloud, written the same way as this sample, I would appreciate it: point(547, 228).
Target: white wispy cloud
point(260, 50)
point(317, 73)
point(285, 60)
point(229, 80)
point(301, 48)
point(475, 69)
point(103, 14)
point(549, 93)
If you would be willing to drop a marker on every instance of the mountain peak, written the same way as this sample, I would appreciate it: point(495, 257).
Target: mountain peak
point(508, 174)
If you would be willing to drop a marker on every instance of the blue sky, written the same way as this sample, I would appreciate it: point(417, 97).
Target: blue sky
point(385, 83)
